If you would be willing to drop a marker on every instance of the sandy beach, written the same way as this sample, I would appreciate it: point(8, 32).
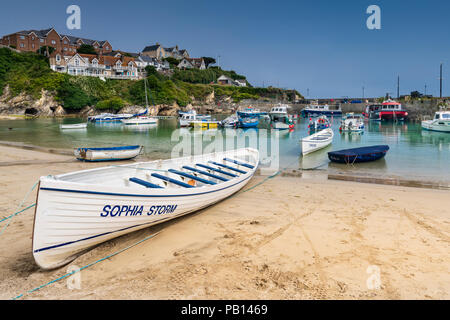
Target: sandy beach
point(286, 238)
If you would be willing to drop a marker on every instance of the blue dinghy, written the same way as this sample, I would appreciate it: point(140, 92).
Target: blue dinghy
point(364, 154)
point(107, 154)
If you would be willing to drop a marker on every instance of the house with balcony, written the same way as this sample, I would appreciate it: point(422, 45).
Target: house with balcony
point(96, 66)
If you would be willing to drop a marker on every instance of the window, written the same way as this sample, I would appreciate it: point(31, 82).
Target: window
point(22, 45)
point(65, 41)
point(32, 45)
point(53, 42)
point(65, 49)
point(58, 58)
point(446, 116)
point(107, 48)
point(22, 37)
point(32, 38)
point(77, 62)
point(41, 40)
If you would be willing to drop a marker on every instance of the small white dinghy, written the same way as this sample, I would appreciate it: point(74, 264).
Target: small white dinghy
point(73, 126)
point(317, 141)
point(77, 211)
point(107, 154)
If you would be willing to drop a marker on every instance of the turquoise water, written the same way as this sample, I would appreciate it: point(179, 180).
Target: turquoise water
point(414, 154)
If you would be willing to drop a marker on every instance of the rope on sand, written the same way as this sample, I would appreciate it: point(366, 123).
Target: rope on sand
point(85, 267)
point(20, 206)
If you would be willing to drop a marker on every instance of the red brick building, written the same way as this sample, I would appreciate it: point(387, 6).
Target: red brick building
point(32, 40)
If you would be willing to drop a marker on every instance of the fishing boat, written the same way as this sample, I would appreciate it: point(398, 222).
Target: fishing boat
point(140, 121)
point(230, 122)
point(250, 112)
point(248, 122)
point(352, 122)
point(319, 124)
point(107, 154)
point(388, 110)
point(283, 124)
point(441, 122)
point(314, 110)
point(188, 117)
point(355, 155)
point(279, 112)
point(77, 211)
point(73, 126)
point(317, 141)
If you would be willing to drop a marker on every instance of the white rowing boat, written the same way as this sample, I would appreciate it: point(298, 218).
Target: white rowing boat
point(107, 154)
point(77, 211)
point(317, 141)
point(73, 126)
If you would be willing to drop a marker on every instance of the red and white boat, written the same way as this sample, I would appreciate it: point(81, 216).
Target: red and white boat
point(388, 110)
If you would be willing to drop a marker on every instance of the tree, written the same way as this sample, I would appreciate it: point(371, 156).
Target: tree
point(151, 70)
point(415, 94)
point(208, 61)
point(46, 50)
point(86, 49)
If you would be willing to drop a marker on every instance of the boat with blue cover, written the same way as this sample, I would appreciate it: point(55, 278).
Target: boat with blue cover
point(107, 154)
point(355, 155)
point(80, 210)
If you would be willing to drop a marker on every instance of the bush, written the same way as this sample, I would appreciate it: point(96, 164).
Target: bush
point(113, 104)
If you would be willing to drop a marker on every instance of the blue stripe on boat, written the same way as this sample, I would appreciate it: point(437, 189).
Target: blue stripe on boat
point(216, 170)
point(227, 167)
point(239, 163)
point(145, 183)
point(205, 173)
point(187, 175)
point(179, 183)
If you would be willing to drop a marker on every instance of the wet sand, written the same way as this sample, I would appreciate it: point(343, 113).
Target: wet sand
point(287, 238)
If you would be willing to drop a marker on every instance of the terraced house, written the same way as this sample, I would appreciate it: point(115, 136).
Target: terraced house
point(33, 40)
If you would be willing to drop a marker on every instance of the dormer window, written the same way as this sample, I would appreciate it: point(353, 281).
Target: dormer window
point(77, 62)
point(58, 58)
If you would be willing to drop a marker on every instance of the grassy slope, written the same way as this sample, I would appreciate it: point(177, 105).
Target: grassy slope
point(30, 73)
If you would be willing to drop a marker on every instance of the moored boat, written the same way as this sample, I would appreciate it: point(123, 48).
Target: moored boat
point(355, 155)
point(441, 122)
point(317, 141)
point(188, 117)
point(352, 122)
point(77, 211)
point(204, 124)
point(388, 110)
point(248, 122)
point(140, 121)
point(319, 124)
point(230, 122)
point(107, 154)
point(314, 110)
point(73, 126)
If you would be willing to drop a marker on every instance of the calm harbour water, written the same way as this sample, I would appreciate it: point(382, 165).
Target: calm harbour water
point(414, 154)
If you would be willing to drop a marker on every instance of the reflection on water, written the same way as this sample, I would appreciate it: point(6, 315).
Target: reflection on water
point(414, 153)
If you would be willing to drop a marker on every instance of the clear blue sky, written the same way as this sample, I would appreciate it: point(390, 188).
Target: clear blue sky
point(321, 45)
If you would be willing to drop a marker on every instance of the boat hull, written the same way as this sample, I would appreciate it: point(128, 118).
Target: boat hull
point(314, 142)
point(307, 113)
point(72, 217)
point(356, 155)
point(73, 126)
point(107, 154)
point(435, 126)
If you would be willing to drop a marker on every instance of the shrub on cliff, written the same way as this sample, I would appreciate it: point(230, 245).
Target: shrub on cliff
point(113, 104)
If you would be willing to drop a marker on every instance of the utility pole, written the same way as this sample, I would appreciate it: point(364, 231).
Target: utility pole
point(425, 89)
point(440, 80)
point(398, 87)
point(363, 92)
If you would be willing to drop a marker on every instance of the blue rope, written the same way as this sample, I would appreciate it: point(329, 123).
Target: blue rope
point(85, 267)
point(20, 205)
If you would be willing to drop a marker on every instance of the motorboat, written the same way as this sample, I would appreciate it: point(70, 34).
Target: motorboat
point(73, 126)
point(352, 122)
point(441, 122)
point(388, 110)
